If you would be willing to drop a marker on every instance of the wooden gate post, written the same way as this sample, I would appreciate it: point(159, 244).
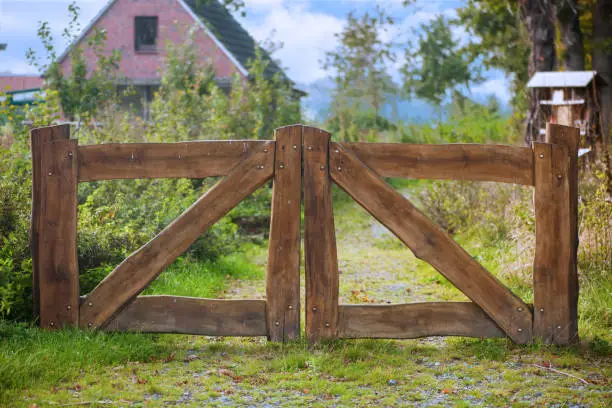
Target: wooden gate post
point(556, 213)
point(54, 226)
point(322, 281)
point(283, 274)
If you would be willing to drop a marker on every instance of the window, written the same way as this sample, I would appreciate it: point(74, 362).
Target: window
point(145, 36)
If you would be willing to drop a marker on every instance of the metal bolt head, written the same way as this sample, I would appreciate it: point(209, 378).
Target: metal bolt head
point(541, 156)
point(520, 309)
point(339, 168)
point(180, 157)
point(559, 176)
point(322, 167)
point(294, 147)
point(282, 166)
point(90, 324)
point(290, 307)
point(520, 330)
point(265, 150)
point(327, 324)
point(337, 151)
point(277, 323)
point(70, 154)
point(314, 309)
point(68, 307)
point(89, 304)
point(50, 174)
point(558, 327)
point(51, 324)
point(309, 147)
point(542, 310)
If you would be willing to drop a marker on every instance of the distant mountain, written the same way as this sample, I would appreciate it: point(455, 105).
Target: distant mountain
point(316, 104)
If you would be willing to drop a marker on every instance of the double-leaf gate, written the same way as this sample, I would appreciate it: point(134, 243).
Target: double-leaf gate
point(303, 162)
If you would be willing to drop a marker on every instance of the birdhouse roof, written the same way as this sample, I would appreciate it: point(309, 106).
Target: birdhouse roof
point(565, 79)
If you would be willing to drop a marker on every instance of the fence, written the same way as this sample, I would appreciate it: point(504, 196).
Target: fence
point(304, 158)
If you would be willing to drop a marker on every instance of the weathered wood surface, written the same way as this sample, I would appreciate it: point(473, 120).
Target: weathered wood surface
point(431, 244)
point(208, 317)
point(554, 279)
point(481, 162)
point(570, 138)
point(163, 160)
point(54, 226)
point(321, 259)
point(283, 273)
point(407, 321)
point(144, 265)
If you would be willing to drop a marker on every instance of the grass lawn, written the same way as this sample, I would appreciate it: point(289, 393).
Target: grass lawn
point(75, 368)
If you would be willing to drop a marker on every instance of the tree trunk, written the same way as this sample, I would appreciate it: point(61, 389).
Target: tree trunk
point(571, 34)
point(602, 63)
point(538, 18)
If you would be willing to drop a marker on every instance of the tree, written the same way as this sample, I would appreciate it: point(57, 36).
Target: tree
point(2, 46)
point(85, 89)
point(359, 68)
point(568, 19)
point(438, 65)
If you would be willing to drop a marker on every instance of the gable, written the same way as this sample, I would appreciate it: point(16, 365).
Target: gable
point(232, 44)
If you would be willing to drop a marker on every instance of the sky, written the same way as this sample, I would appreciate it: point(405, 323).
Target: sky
point(306, 29)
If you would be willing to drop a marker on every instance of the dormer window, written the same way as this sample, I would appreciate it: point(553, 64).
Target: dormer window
point(145, 35)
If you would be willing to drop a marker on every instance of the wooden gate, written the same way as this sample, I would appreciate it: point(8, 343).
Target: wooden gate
point(59, 164)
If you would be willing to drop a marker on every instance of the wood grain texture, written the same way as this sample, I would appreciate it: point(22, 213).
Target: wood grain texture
point(54, 226)
point(144, 265)
point(554, 279)
point(208, 317)
point(163, 160)
point(283, 273)
point(570, 138)
point(431, 244)
point(508, 164)
point(321, 259)
point(407, 321)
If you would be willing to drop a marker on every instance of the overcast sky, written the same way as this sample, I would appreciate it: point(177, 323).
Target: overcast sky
point(305, 27)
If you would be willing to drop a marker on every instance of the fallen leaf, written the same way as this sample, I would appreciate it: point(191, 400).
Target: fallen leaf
point(306, 391)
point(169, 358)
point(141, 380)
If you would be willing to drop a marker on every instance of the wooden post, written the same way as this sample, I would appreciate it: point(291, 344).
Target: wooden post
point(283, 275)
point(322, 281)
point(555, 267)
point(54, 226)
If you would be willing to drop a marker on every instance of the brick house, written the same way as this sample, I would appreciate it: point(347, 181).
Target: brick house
point(140, 29)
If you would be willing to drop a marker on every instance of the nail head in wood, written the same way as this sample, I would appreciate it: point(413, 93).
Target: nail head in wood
point(558, 327)
point(542, 310)
point(327, 324)
point(294, 147)
point(520, 309)
point(309, 147)
point(541, 156)
point(339, 168)
point(282, 166)
point(277, 323)
point(50, 174)
point(51, 324)
point(520, 330)
point(322, 167)
point(559, 176)
point(290, 307)
point(89, 324)
point(314, 309)
point(265, 150)
point(68, 307)
point(90, 304)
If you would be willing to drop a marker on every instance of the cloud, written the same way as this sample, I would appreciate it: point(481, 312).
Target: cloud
point(306, 36)
point(499, 86)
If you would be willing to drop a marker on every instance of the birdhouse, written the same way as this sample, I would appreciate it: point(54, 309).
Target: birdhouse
point(570, 98)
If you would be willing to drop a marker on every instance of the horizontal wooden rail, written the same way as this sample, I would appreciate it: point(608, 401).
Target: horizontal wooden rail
point(407, 321)
point(478, 162)
point(201, 159)
point(208, 317)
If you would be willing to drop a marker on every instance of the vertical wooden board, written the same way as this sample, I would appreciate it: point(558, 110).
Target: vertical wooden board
point(321, 260)
point(553, 270)
point(54, 226)
point(283, 274)
point(570, 138)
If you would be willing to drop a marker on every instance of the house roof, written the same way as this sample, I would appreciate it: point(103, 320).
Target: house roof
point(566, 79)
point(231, 34)
point(10, 83)
point(219, 24)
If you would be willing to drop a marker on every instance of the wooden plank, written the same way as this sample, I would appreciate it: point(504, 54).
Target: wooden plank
point(54, 226)
point(413, 320)
point(184, 315)
point(163, 160)
point(283, 274)
point(554, 278)
point(570, 138)
point(431, 244)
point(144, 265)
point(481, 162)
point(322, 281)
